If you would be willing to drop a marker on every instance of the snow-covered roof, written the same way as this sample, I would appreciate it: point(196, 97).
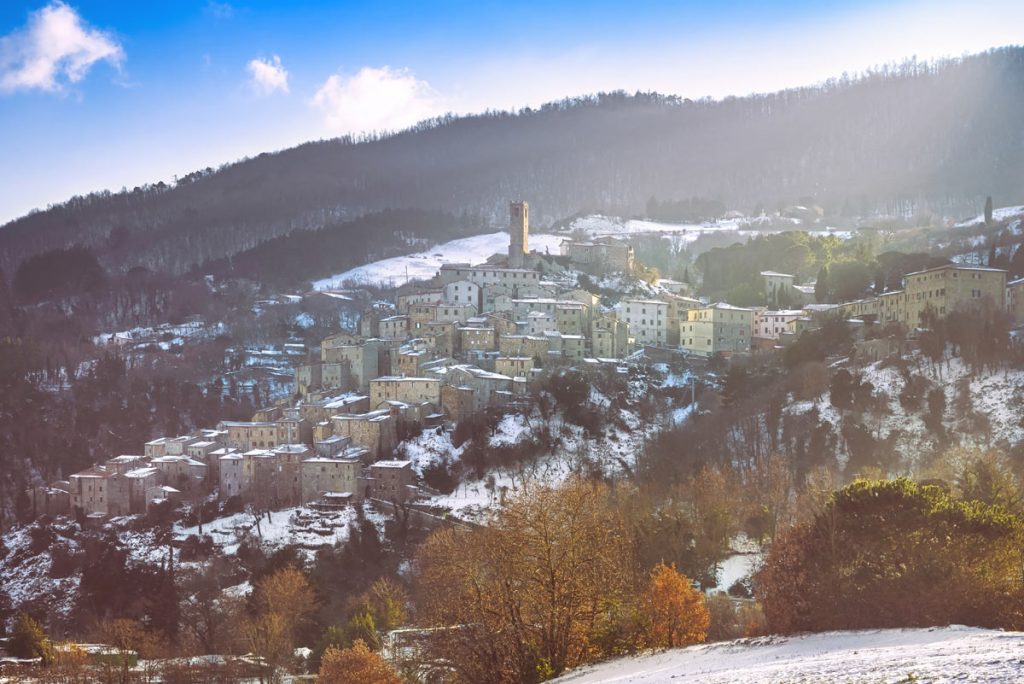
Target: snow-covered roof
point(958, 267)
point(628, 300)
point(96, 471)
point(725, 306)
point(290, 448)
point(178, 459)
point(391, 464)
point(776, 274)
point(398, 378)
point(139, 473)
point(343, 400)
point(322, 459)
point(124, 458)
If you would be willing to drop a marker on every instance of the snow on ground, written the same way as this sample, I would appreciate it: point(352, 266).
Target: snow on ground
point(424, 265)
point(26, 576)
point(301, 526)
point(474, 500)
point(1000, 396)
point(736, 567)
point(512, 429)
point(679, 415)
point(429, 447)
point(996, 394)
point(599, 226)
point(1000, 214)
point(943, 654)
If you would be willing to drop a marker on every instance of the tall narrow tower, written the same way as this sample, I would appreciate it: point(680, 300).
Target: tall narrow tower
point(519, 233)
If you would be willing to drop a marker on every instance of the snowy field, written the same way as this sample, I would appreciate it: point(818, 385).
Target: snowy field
point(598, 225)
point(945, 654)
point(424, 265)
point(300, 526)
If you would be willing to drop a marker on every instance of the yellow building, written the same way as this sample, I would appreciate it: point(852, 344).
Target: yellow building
point(945, 289)
point(719, 328)
point(676, 315)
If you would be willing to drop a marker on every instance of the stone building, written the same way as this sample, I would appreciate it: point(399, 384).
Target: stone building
point(459, 403)
point(375, 431)
point(246, 436)
point(600, 255)
point(519, 233)
point(408, 390)
point(477, 339)
point(514, 366)
point(100, 491)
point(363, 362)
point(463, 292)
point(329, 475)
point(391, 481)
point(609, 338)
point(394, 328)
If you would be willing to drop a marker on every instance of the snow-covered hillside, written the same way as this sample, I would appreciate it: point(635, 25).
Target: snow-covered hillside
point(1000, 214)
point(301, 526)
point(946, 654)
point(571, 451)
point(996, 395)
point(598, 225)
point(424, 265)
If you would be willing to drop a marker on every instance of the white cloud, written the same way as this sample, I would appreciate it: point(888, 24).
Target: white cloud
point(375, 99)
point(220, 10)
point(54, 49)
point(268, 76)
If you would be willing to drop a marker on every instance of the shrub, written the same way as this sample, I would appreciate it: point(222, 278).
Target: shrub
point(894, 553)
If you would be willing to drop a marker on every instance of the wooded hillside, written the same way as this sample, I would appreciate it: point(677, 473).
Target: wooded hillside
point(899, 139)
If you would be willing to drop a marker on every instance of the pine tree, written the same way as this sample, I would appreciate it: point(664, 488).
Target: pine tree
point(988, 210)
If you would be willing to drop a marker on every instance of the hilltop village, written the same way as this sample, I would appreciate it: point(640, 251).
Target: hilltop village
point(482, 337)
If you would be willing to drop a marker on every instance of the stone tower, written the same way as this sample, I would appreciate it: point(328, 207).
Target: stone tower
point(519, 232)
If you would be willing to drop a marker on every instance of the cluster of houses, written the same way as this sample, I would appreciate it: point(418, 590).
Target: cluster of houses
point(273, 461)
point(478, 336)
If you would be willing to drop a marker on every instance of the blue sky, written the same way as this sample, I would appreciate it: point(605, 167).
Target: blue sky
point(103, 94)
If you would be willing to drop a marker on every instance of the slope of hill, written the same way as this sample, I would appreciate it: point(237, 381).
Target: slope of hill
point(900, 139)
point(424, 265)
point(943, 654)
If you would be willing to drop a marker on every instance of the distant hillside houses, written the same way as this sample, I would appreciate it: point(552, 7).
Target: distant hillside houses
point(478, 337)
point(519, 316)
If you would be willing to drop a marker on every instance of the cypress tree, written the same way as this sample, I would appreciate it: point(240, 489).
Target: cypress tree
point(988, 210)
point(822, 286)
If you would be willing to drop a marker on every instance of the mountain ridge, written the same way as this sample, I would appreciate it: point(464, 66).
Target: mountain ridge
point(906, 139)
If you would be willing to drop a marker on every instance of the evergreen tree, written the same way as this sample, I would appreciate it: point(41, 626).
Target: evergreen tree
point(822, 286)
point(988, 210)
point(29, 640)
